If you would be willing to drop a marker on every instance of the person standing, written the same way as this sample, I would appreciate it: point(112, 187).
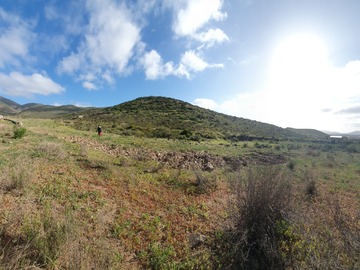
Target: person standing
point(99, 130)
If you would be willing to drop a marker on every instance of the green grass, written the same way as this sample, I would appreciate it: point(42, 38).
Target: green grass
point(110, 202)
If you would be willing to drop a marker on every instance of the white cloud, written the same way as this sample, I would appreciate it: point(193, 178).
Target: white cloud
point(70, 64)
point(89, 85)
point(108, 44)
point(17, 84)
point(194, 15)
point(154, 67)
point(15, 38)
point(190, 62)
point(194, 63)
point(206, 103)
point(212, 36)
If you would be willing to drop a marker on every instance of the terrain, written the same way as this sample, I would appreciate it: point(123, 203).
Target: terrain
point(217, 192)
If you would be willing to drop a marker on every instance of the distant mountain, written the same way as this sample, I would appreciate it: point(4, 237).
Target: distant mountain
point(310, 133)
point(9, 107)
point(171, 118)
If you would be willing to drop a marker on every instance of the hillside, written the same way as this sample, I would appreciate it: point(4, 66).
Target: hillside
point(159, 117)
point(311, 133)
point(35, 110)
point(171, 118)
point(8, 106)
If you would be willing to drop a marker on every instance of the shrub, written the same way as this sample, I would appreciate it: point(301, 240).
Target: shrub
point(51, 150)
point(262, 203)
point(291, 165)
point(310, 189)
point(19, 132)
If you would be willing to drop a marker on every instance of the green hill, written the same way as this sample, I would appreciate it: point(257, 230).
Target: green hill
point(8, 106)
point(35, 110)
point(310, 133)
point(170, 118)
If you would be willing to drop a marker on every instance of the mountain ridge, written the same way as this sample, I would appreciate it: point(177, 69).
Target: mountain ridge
point(164, 117)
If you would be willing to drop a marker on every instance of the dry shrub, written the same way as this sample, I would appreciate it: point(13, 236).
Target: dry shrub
point(262, 201)
point(16, 175)
point(51, 150)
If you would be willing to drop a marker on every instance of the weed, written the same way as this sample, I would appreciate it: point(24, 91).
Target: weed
point(160, 257)
point(19, 132)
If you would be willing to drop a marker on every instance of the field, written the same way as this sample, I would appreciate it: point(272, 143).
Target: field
point(73, 200)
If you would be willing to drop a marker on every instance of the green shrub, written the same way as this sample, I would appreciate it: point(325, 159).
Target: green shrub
point(291, 165)
point(19, 132)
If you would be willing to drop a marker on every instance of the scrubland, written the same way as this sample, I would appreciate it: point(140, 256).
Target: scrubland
point(73, 200)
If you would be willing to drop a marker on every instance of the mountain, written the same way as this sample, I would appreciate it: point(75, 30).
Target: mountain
point(8, 106)
point(354, 133)
point(36, 110)
point(171, 118)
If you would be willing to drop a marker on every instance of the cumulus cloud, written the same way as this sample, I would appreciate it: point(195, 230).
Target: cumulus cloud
point(109, 42)
point(194, 63)
point(191, 18)
point(212, 36)
point(190, 62)
point(196, 14)
point(17, 84)
point(15, 38)
point(154, 67)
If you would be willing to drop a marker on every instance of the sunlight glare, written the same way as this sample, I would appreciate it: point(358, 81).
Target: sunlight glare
point(298, 79)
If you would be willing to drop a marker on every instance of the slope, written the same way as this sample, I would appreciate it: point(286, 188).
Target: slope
point(311, 133)
point(171, 118)
point(8, 106)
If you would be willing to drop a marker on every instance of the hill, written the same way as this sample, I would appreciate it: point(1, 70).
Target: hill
point(159, 117)
point(35, 110)
point(311, 133)
point(170, 118)
point(8, 106)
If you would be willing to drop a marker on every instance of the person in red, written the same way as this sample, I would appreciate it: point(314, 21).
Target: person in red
point(99, 130)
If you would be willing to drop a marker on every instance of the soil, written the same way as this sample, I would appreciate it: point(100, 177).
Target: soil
point(183, 160)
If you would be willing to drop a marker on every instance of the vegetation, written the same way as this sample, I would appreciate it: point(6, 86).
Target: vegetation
point(19, 132)
point(159, 117)
point(74, 200)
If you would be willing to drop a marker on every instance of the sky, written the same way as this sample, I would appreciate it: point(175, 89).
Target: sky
point(291, 63)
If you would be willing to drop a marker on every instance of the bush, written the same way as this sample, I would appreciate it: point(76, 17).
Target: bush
point(262, 203)
point(19, 132)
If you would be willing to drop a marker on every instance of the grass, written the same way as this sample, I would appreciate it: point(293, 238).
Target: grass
point(73, 200)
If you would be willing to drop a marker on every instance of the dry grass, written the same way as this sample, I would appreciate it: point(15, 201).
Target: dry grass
point(77, 201)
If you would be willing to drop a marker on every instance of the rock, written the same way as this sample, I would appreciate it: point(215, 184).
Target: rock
point(208, 167)
point(196, 239)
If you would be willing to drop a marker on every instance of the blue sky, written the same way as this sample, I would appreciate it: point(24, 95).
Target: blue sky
point(290, 63)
